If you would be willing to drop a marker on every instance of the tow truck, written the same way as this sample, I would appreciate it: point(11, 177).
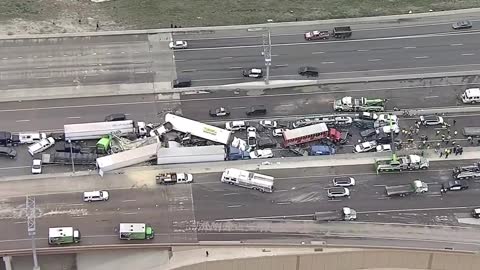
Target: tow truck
point(415, 187)
point(174, 178)
point(467, 172)
point(362, 104)
point(345, 214)
point(409, 162)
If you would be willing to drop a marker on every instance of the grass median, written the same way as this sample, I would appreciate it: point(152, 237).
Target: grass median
point(141, 14)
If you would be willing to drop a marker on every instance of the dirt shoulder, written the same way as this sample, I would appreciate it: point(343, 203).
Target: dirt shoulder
point(67, 16)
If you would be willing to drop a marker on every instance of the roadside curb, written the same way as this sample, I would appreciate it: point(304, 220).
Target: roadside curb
point(470, 153)
point(199, 30)
point(125, 90)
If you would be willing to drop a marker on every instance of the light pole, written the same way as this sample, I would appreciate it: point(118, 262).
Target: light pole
point(31, 227)
point(71, 155)
point(267, 53)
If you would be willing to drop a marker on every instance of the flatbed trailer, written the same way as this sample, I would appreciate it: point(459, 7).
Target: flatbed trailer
point(345, 214)
point(415, 187)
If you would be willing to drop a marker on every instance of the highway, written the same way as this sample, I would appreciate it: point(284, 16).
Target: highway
point(217, 57)
point(281, 103)
point(388, 52)
point(175, 211)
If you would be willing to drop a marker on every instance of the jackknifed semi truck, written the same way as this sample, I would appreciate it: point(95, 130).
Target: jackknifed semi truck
point(344, 214)
point(415, 187)
point(63, 236)
point(135, 231)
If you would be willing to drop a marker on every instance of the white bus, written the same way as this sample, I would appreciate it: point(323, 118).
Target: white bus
point(246, 179)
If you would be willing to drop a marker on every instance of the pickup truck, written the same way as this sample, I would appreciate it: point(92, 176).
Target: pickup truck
point(415, 187)
point(410, 162)
point(345, 214)
point(174, 178)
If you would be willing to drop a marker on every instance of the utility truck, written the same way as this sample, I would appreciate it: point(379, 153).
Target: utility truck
point(174, 178)
point(467, 172)
point(246, 179)
point(409, 162)
point(351, 104)
point(345, 214)
point(415, 187)
point(135, 231)
point(63, 236)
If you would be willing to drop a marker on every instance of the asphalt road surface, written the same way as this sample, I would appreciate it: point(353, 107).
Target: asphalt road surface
point(175, 211)
point(370, 52)
point(281, 103)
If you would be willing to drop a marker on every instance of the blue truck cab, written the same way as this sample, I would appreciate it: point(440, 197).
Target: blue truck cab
point(237, 154)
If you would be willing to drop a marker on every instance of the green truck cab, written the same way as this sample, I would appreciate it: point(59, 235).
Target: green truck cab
point(135, 231)
point(63, 236)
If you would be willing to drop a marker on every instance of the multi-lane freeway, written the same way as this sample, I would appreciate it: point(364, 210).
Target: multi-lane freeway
point(176, 211)
point(288, 103)
point(217, 57)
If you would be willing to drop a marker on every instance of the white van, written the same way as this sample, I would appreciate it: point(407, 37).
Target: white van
point(31, 137)
point(471, 95)
point(235, 125)
point(95, 196)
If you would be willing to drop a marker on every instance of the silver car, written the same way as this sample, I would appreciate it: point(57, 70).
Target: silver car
point(343, 181)
point(337, 192)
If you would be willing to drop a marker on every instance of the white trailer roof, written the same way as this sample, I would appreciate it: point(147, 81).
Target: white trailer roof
point(60, 232)
point(127, 158)
point(78, 130)
point(199, 129)
point(132, 227)
point(304, 131)
point(178, 155)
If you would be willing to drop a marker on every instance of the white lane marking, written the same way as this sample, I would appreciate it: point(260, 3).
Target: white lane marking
point(108, 53)
point(456, 44)
point(410, 47)
point(286, 105)
point(274, 55)
point(74, 117)
point(374, 60)
point(122, 52)
point(129, 200)
point(41, 67)
point(317, 52)
point(467, 54)
point(234, 206)
point(235, 67)
point(129, 213)
point(226, 57)
point(281, 190)
point(284, 203)
point(5, 58)
point(74, 204)
point(237, 108)
point(431, 97)
point(141, 72)
point(340, 41)
point(20, 57)
point(362, 50)
point(282, 65)
point(50, 56)
point(180, 60)
point(228, 194)
point(18, 121)
point(422, 57)
point(189, 70)
point(20, 222)
point(65, 55)
point(328, 63)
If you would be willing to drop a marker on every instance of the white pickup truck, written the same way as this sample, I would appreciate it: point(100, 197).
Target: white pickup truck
point(174, 178)
point(41, 145)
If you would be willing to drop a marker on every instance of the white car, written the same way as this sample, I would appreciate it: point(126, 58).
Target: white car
point(41, 145)
point(235, 125)
point(384, 119)
point(384, 148)
point(261, 153)
point(252, 136)
point(179, 44)
point(278, 132)
point(95, 196)
point(268, 123)
point(37, 166)
point(365, 147)
point(387, 129)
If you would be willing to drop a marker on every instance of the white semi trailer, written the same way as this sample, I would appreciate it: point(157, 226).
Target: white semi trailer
point(89, 131)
